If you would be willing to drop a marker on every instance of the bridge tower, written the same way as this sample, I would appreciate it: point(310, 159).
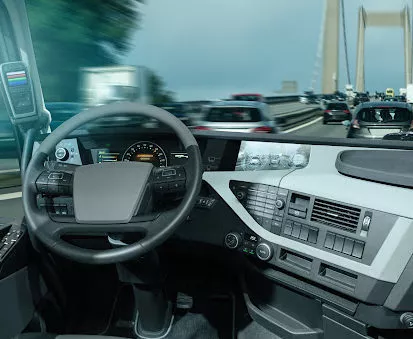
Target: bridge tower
point(331, 46)
point(380, 19)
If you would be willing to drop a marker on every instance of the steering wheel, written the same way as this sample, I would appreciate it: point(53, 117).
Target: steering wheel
point(106, 196)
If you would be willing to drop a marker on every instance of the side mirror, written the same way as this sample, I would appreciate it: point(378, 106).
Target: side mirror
point(346, 123)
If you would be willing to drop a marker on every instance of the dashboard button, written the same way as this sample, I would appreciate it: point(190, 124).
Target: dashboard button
point(358, 249)
point(296, 230)
point(329, 242)
point(161, 188)
point(338, 243)
point(288, 229)
point(275, 223)
point(266, 223)
point(272, 189)
point(312, 235)
point(296, 213)
point(348, 246)
point(304, 233)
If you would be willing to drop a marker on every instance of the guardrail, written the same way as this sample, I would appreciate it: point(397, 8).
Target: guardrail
point(292, 119)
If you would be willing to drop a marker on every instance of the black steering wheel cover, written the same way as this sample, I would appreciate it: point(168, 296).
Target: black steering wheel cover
point(194, 179)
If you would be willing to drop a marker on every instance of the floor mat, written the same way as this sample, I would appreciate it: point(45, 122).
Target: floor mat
point(211, 317)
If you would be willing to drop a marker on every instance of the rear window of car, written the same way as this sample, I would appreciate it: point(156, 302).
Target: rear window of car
point(247, 97)
point(337, 106)
point(233, 114)
point(384, 115)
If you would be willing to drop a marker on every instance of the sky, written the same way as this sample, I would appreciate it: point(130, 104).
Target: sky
point(209, 49)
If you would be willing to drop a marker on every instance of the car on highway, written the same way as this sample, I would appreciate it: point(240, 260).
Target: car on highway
point(389, 98)
point(376, 119)
point(360, 97)
point(389, 92)
point(336, 111)
point(248, 97)
point(237, 116)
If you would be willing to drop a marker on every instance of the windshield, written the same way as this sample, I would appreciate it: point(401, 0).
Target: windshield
point(169, 54)
point(232, 114)
point(384, 115)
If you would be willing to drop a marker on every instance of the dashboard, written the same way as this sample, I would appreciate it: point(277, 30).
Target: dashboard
point(291, 213)
point(218, 155)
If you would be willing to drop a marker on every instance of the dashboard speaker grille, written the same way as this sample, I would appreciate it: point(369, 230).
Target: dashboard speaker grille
point(336, 215)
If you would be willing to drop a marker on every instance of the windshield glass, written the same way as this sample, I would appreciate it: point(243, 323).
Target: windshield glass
point(169, 54)
point(233, 114)
point(384, 115)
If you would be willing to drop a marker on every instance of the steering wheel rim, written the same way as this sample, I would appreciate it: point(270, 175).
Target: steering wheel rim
point(49, 232)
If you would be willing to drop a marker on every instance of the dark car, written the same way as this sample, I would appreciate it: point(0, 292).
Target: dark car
point(62, 111)
point(178, 110)
point(360, 98)
point(377, 119)
point(388, 98)
point(336, 111)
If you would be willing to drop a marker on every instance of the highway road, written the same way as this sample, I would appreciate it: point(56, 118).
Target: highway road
point(315, 128)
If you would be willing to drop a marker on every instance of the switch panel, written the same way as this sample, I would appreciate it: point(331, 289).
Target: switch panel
point(265, 203)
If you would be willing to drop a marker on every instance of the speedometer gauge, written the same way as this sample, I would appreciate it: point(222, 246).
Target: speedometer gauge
point(146, 151)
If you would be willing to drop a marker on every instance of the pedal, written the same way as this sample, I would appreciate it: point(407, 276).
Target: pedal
point(184, 301)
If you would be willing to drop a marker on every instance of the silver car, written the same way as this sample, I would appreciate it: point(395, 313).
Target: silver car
point(237, 116)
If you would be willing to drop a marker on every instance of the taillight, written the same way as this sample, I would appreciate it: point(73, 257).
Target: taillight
point(355, 124)
point(202, 128)
point(327, 111)
point(262, 129)
point(347, 111)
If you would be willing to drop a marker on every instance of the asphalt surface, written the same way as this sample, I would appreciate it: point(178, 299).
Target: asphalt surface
point(332, 130)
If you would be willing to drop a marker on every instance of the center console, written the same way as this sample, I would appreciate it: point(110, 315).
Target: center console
point(324, 226)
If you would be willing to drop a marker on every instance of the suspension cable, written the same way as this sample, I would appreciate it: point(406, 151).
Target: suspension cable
point(343, 17)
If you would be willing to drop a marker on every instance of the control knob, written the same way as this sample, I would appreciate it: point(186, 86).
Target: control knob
point(264, 251)
point(240, 195)
point(62, 154)
point(232, 240)
point(407, 319)
point(279, 203)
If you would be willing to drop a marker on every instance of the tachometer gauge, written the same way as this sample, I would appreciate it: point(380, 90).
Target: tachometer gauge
point(146, 151)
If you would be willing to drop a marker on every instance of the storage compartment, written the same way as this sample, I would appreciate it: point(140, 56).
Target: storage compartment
point(284, 312)
point(338, 277)
point(333, 329)
point(296, 260)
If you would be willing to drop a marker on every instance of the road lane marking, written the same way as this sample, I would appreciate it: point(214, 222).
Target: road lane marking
point(303, 125)
point(9, 196)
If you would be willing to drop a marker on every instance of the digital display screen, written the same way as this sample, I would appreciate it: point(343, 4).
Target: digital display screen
point(105, 155)
point(17, 78)
point(179, 158)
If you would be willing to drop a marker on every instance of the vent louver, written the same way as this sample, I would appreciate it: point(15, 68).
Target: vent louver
point(336, 215)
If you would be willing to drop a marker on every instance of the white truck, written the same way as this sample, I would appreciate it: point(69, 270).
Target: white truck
point(409, 93)
point(102, 85)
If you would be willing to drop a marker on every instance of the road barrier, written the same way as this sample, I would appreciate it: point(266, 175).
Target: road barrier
point(292, 119)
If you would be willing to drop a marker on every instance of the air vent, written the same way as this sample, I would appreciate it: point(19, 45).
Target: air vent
point(336, 215)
